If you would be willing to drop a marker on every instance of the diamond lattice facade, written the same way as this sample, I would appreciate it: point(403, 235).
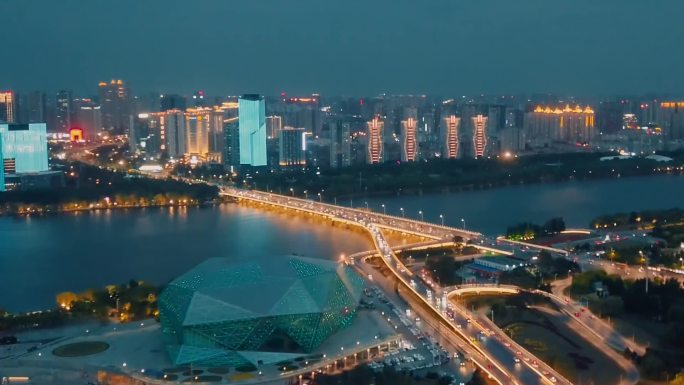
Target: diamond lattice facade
point(231, 313)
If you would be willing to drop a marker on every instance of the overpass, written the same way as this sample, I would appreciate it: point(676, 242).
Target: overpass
point(591, 328)
point(373, 223)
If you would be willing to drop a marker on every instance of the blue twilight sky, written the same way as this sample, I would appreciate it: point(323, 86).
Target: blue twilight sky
point(352, 47)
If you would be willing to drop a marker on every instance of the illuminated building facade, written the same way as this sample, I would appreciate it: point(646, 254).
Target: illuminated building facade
point(671, 118)
point(116, 106)
point(172, 135)
point(545, 125)
point(409, 141)
point(630, 122)
point(274, 124)
point(252, 125)
point(227, 313)
point(197, 122)
point(479, 135)
point(24, 148)
point(374, 137)
point(7, 107)
point(450, 139)
point(292, 145)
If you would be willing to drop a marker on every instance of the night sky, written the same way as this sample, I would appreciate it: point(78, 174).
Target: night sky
point(350, 47)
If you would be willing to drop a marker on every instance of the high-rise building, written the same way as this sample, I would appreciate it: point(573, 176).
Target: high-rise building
point(609, 116)
point(479, 135)
point(24, 148)
point(197, 127)
point(409, 141)
point(88, 118)
point(340, 143)
point(172, 133)
point(450, 139)
point(37, 107)
point(545, 125)
point(63, 111)
point(7, 106)
point(292, 144)
point(252, 124)
point(116, 106)
point(172, 102)
point(671, 119)
point(231, 143)
point(274, 124)
point(374, 132)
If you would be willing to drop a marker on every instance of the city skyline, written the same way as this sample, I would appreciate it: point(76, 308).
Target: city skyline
point(434, 47)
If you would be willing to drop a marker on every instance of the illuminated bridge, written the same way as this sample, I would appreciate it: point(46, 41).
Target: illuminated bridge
point(373, 223)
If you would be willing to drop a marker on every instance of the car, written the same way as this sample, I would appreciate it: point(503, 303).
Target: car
point(516, 360)
point(553, 379)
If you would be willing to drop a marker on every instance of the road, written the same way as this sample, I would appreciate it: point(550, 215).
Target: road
point(493, 358)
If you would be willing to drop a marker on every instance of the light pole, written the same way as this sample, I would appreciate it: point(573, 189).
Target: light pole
point(367, 209)
point(335, 199)
point(420, 212)
point(463, 220)
point(441, 217)
point(320, 198)
point(384, 210)
point(402, 212)
point(306, 194)
point(292, 191)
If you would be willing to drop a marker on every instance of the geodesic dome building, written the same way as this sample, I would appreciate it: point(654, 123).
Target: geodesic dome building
point(228, 313)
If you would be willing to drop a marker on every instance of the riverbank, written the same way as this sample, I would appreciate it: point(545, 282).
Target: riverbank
point(93, 188)
point(453, 176)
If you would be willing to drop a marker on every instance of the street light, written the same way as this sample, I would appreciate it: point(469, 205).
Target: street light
point(292, 191)
point(420, 212)
point(442, 218)
point(320, 198)
point(402, 212)
point(463, 220)
point(306, 194)
point(367, 209)
point(384, 211)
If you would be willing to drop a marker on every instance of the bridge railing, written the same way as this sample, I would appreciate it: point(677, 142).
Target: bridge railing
point(241, 193)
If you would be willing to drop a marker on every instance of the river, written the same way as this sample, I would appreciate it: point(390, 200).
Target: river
point(42, 256)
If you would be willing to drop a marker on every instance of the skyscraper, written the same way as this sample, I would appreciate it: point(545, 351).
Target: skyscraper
point(252, 125)
point(409, 142)
point(374, 138)
point(231, 143)
point(24, 147)
point(7, 106)
point(671, 118)
point(172, 133)
point(274, 124)
point(340, 143)
point(87, 117)
point(172, 102)
point(292, 144)
point(479, 135)
point(63, 111)
point(116, 106)
point(197, 127)
point(450, 140)
point(37, 111)
point(570, 125)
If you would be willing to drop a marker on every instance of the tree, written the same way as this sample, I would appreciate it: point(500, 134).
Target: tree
point(678, 380)
point(66, 299)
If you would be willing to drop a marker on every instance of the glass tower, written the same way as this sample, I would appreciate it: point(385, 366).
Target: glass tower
point(252, 128)
point(24, 148)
